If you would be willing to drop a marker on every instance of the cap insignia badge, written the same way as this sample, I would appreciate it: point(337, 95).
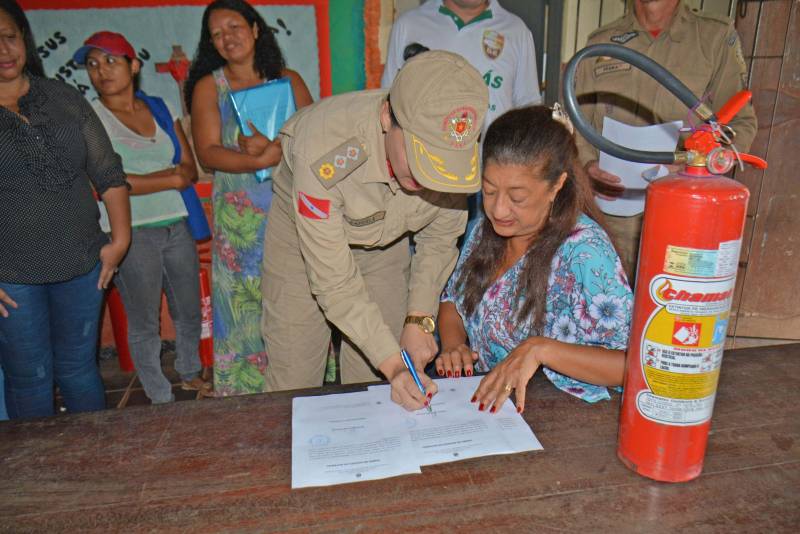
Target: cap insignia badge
point(458, 125)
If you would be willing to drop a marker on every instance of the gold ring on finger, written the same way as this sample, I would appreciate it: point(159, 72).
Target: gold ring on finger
point(508, 388)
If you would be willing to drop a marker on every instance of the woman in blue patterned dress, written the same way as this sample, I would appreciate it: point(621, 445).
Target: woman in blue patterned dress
point(538, 283)
point(237, 50)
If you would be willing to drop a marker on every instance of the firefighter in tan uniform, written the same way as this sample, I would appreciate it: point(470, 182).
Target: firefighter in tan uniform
point(360, 173)
point(701, 49)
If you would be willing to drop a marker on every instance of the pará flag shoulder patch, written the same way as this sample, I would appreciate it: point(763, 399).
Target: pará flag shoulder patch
point(337, 164)
point(312, 207)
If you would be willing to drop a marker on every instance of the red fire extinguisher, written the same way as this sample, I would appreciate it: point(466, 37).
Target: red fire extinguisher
point(688, 259)
point(207, 321)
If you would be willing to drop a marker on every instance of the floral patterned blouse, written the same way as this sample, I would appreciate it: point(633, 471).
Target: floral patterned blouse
point(589, 302)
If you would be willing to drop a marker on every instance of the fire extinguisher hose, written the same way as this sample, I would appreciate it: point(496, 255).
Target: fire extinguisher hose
point(654, 70)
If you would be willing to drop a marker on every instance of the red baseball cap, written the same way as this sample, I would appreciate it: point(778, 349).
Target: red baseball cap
point(109, 42)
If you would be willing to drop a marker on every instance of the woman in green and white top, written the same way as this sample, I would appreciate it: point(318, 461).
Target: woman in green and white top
point(162, 255)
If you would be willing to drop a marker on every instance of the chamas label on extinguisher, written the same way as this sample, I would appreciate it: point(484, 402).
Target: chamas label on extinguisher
point(682, 346)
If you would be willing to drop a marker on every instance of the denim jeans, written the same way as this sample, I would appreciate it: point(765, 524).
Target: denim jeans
point(163, 258)
point(52, 335)
point(3, 412)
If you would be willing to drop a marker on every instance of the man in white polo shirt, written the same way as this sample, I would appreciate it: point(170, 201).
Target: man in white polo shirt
point(494, 41)
point(497, 43)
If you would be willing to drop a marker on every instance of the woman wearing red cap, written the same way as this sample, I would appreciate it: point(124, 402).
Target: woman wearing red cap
point(162, 255)
point(236, 51)
point(56, 260)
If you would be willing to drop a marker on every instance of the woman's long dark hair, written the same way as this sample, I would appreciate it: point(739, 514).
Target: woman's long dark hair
point(33, 65)
point(268, 61)
point(530, 137)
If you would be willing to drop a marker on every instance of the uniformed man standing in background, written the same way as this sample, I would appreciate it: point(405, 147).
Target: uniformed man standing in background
point(360, 172)
point(701, 49)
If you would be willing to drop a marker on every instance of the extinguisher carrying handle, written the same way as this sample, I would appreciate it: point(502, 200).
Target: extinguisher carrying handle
point(644, 63)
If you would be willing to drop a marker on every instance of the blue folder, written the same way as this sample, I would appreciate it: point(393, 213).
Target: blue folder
point(267, 106)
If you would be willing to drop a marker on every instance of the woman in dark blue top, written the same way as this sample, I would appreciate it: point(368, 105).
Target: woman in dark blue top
point(55, 260)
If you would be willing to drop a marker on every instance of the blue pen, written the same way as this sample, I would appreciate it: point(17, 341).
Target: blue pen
point(410, 366)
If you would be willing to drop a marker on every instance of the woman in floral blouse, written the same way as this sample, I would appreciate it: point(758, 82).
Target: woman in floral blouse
point(539, 283)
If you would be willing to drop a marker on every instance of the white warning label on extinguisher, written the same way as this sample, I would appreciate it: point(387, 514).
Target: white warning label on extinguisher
point(681, 349)
point(672, 411)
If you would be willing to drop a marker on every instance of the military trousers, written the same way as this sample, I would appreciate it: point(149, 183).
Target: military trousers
point(296, 333)
point(626, 232)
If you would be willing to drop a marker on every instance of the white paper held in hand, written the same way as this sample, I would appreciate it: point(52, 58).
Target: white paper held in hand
point(635, 176)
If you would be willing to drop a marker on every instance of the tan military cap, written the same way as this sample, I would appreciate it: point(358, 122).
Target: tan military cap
point(440, 101)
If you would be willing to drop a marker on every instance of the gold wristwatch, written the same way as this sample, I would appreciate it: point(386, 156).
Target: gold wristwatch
point(423, 321)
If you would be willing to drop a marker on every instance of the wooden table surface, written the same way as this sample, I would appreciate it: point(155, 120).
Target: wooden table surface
point(224, 465)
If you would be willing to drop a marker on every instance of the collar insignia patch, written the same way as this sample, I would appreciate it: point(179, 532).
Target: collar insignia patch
point(625, 37)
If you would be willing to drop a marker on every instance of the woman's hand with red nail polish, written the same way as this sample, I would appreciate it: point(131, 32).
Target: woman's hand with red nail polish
point(456, 361)
point(512, 373)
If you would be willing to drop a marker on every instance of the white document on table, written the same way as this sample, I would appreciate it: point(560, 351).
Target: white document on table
point(635, 176)
point(343, 438)
point(455, 429)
